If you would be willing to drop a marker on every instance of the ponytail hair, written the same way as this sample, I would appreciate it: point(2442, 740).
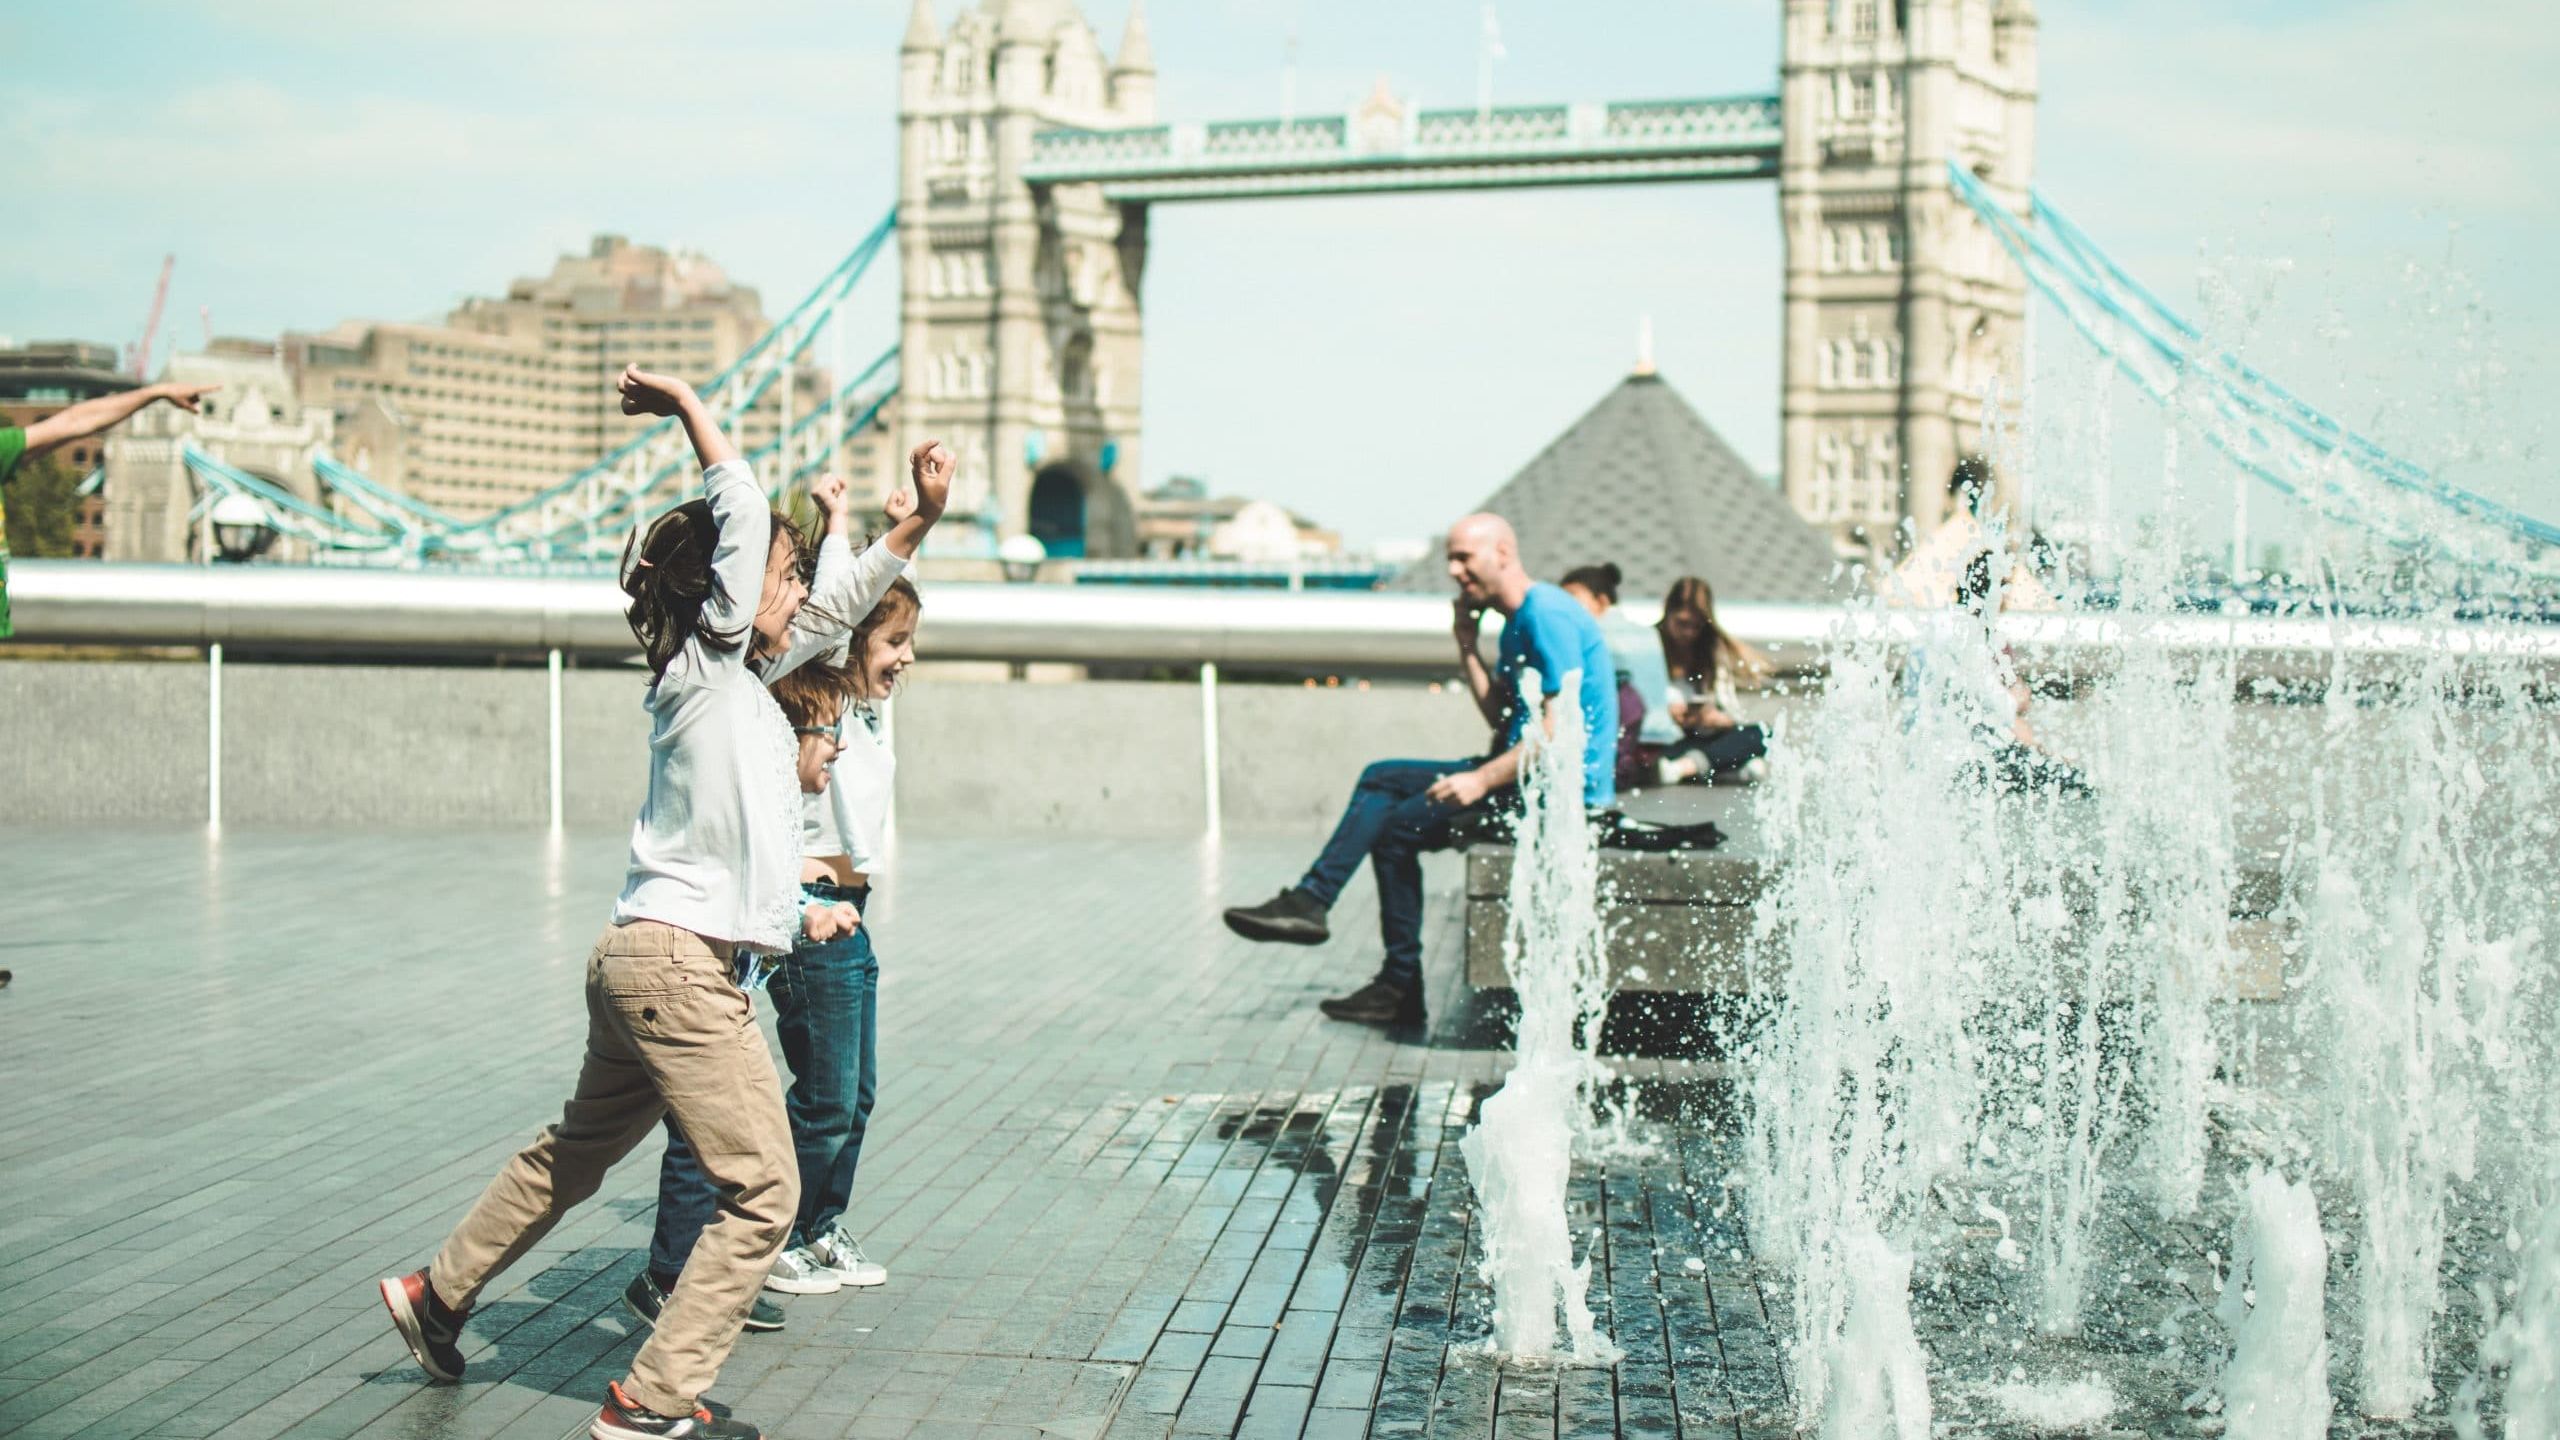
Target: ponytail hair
point(1601, 580)
point(666, 572)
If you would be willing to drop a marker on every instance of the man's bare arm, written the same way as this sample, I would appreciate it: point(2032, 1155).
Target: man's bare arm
point(1469, 786)
point(79, 422)
point(1471, 664)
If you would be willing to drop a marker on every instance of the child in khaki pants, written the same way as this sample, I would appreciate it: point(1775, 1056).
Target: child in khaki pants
point(711, 893)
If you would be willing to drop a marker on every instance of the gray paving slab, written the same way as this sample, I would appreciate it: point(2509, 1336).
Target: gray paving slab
point(1127, 1181)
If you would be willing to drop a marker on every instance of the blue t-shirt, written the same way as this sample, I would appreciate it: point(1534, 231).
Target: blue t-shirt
point(1553, 635)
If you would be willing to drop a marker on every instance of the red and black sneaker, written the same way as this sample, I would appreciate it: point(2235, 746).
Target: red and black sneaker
point(433, 1333)
point(624, 1418)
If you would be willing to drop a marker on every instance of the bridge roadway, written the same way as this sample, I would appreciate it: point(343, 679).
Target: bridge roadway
point(1386, 148)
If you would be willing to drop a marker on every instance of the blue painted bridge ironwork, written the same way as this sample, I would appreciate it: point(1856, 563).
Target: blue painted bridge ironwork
point(1383, 147)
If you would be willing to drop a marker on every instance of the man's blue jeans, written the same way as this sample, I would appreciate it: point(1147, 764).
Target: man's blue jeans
point(1390, 822)
point(826, 1013)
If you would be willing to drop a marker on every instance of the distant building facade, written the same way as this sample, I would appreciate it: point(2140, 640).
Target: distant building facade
point(1901, 308)
point(1181, 520)
point(515, 392)
point(255, 423)
point(1020, 336)
point(1643, 482)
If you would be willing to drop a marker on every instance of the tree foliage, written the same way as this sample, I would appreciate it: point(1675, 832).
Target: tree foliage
point(43, 508)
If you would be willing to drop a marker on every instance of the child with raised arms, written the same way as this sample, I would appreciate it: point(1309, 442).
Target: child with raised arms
point(861, 622)
point(711, 888)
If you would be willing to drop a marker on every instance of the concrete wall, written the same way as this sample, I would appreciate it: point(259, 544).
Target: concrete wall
point(107, 742)
point(379, 746)
point(1100, 758)
point(604, 748)
point(374, 746)
point(1288, 755)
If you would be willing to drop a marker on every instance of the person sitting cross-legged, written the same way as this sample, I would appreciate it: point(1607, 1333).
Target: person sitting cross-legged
point(1403, 808)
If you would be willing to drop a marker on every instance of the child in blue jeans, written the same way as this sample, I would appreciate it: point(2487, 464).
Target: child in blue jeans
point(824, 992)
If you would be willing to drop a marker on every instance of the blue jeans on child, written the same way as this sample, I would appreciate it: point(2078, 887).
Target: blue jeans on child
point(1391, 822)
point(825, 1011)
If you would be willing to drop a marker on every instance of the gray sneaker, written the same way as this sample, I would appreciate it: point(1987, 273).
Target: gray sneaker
point(798, 1271)
point(842, 1254)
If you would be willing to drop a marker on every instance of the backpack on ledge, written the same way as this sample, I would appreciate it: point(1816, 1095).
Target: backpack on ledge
point(1617, 832)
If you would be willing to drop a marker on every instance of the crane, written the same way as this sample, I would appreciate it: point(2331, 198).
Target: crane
point(140, 358)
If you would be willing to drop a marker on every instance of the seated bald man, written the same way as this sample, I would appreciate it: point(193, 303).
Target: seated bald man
point(1402, 808)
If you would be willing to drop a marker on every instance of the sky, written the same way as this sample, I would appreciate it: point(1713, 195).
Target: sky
point(2360, 194)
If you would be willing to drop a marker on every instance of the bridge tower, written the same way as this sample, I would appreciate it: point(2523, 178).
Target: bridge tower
point(1901, 308)
point(1019, 324)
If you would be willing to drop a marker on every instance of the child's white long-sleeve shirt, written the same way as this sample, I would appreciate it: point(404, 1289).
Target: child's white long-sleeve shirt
point(716, 849)
point(852, 817)
point(842, 595)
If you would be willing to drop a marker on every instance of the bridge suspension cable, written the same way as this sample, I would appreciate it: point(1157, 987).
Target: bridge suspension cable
point(2273, 435)
point(587, 514)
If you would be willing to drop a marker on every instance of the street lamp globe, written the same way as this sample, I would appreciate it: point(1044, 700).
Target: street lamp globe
point(1021, 556)
point(241, 530)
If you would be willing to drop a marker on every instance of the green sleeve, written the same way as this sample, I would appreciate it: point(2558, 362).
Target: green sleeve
point(13, 444)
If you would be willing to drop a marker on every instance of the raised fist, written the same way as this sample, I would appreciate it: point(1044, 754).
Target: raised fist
point(931, 464)
point(828, 492)
point(644, 393)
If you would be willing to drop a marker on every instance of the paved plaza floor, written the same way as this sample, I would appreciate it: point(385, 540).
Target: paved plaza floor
point(1127, 1181)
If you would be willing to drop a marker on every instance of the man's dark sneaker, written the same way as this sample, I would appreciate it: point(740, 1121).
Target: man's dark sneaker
point(644, 1297)
point(433, 1333)
point(624, 1418)
point(1291, 917)
point(1377, 1003)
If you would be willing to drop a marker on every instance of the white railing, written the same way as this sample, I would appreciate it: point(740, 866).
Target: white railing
point(377, 612)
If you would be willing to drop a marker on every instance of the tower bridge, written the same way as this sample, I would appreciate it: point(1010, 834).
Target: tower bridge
point(1029, 160)
point(1901, 140)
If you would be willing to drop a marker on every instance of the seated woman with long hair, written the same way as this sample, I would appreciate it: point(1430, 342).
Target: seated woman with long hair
point(1706, 665)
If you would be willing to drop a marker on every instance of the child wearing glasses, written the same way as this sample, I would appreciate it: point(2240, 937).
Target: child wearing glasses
point(824, 992)
point(715, 584)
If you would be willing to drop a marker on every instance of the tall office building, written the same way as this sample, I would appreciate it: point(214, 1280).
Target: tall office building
point(512, 393)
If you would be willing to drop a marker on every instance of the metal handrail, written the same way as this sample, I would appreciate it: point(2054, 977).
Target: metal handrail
point(283, 609)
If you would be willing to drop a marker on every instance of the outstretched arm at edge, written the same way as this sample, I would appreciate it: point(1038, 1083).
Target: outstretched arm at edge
point(79, 422)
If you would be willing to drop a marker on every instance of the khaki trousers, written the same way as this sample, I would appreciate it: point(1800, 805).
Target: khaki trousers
point(667, 1031)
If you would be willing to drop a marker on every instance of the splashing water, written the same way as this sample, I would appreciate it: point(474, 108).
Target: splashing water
point(2064, 1407)
point(1877, 1373)
point(2277, 1384)
point(1862, 1088)
point(2525, 1345)
point(1987, 993)
point(1520, 1154)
